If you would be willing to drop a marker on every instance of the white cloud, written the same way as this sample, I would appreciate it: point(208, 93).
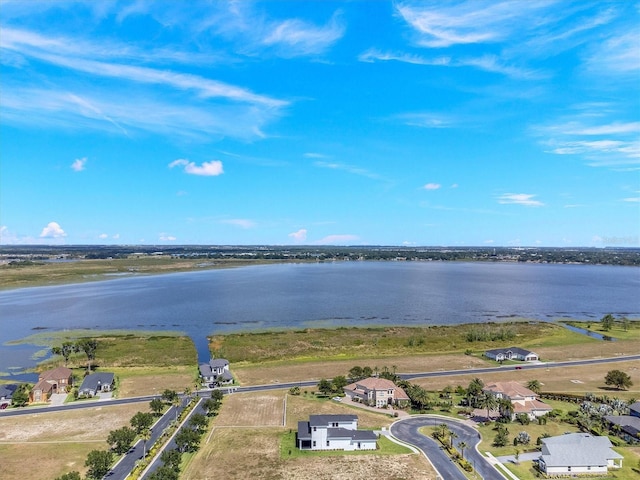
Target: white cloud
point(210, 169)
point(240, 222)
point(526, 199)
point(427, 120)
point(52, 230)
point(314, 155)
point(363, 172)
point(337, 240)
point(299, 236)
point(373, 54)
point(631, 199)
point(102, 236)
point(78, 164)
point(432, 186)
point(295, 38)
point(166, 238)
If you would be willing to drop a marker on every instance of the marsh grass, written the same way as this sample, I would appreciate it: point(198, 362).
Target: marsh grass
point(621, 330)
point(345, 343)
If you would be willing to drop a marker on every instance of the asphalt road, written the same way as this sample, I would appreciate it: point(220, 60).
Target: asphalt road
point(406, 430)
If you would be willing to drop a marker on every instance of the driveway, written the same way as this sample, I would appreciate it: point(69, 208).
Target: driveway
point(406, 430)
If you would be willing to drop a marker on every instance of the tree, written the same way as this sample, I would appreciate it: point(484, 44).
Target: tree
point(489, 401)
point(121, 439)
point(523, 438)
point(618, 379)
point(89, 347)
point(176, 404)
point(198, 422)
point(164, 473)
point(210, 406)
point(534, 386)
point(294, 390)
point(355, 374)
point(169, 395)
point(70, 476)
point(474, 391)
point(156, 406)
point(452, 435)
point(462, 446)
point(506, 408)
point(516, 455)
point(366, 372)
point(66, 350)
point(172, 459)
point(501, 439)
point(21, 396)
point(99, 463)
point(325, 387)
point(142, 421)
point(146, 436)
point(217, 395)
point(339, 383)
point(607, 322)
point(187, 440)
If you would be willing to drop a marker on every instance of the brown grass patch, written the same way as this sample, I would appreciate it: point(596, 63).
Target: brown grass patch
point(587, 350)
point(254, 453)
point(252, 410)
point(140, 382)
point(296, 372)
point(68, 437)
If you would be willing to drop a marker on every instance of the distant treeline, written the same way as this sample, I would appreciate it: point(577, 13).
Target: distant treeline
point(601, 256)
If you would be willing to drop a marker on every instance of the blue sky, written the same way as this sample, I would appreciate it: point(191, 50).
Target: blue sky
point(497, 123)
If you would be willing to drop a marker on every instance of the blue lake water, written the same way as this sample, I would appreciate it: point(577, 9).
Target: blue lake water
point(319, 295)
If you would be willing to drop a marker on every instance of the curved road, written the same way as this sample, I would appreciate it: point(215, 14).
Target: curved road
point(406, 430)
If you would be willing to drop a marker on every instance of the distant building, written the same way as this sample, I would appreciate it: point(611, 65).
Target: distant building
point(6, 394)
point(334, 432)
point(511, 353)
point(577, 454)
point(629, 424)
point(377, 392)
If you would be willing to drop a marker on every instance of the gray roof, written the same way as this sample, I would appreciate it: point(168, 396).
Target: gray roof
point(364, 435)
point(218, 362)
point(635, 407)
point(629, 423)
point(304, 432)
point(340, 433)
point(324, 420)
point(7, 390)
point(577, 450)
point(91, 382)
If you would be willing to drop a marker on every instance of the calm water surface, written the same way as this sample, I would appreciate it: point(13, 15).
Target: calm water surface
point(329, 294)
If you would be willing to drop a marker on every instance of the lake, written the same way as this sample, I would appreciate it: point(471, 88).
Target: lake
point(318, 295)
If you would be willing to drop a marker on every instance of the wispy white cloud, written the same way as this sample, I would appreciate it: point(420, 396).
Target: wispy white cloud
point(295, 37)
point(525, 199)
point(53, 230)
point(363, 172)
point(337, 240)
point(239, 222)
point(78, 164)
point(373, 55)
point(618, 55)
point(207, 169)
point(432, 186)
point(165, 237)
point(299, 236)
point(610, 144)
point(429, 120)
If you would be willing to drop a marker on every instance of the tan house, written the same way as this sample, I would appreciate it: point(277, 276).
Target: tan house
point(378, 392)
point(522, 399)
point(50, 382)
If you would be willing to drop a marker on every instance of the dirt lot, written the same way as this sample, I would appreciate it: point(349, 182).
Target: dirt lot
point(60, 441)
point(254, 452)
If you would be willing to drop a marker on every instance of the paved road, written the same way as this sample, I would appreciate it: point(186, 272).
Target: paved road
point(406, 430)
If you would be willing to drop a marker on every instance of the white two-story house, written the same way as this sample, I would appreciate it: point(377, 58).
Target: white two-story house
point(216, 371)
point(377, 392)
point(334, 432)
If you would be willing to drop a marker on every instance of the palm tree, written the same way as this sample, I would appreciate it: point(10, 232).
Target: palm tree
point(444, 427)
point(176, 403)
point(506, 408)
point(452, 435)
point(488, 401)
point(146, 435)
point(534, 386)
point(462, 446)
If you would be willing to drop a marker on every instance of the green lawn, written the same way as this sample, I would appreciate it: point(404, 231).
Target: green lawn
point(620, 329)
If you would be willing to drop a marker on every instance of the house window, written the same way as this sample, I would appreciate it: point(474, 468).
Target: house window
point(327, 443)
point(314, 443)
point(314, 429)
point(568, 469)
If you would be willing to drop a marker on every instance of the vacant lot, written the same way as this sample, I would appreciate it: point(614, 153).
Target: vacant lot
point(135, 382)
point(579, 379)
point(254, 451)
point(46, 445)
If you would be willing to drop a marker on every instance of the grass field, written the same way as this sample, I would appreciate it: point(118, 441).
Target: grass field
point(621, 330)
point(245, 437)
point(46, 445)
point(56, 273)
point(362, 343)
